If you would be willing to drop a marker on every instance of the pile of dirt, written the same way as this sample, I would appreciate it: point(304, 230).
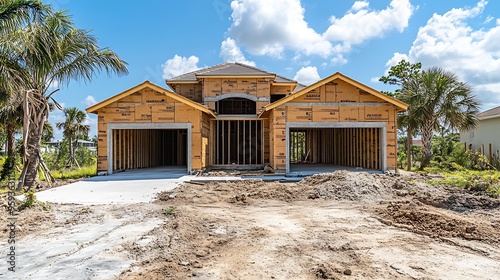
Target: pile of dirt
point(438, 223)
point(339, 185)
point(344, 185)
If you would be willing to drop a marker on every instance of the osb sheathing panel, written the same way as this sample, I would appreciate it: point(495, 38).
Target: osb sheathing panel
point(281, 89)
point(338, 91)
point(148, 106)
point(213, 87)
point(190, 91)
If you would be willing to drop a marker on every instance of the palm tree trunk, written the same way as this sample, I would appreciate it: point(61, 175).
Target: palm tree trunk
point(408, 149)
point(427, 130)
point(36, 110)
point(11, 140)
point(32, 160)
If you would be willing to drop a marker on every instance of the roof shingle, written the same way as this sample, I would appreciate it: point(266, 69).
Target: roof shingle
point(228, 69)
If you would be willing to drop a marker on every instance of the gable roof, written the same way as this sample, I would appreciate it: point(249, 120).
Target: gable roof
point(228, 69)
point(148, 84)
point(490, 114)
point(400, 105)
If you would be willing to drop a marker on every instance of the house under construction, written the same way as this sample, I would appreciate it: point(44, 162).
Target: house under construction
point(236, 116)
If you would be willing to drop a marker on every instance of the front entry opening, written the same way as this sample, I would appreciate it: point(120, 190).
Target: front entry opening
point(144, 148)
point(238, 142)
point(349, 147)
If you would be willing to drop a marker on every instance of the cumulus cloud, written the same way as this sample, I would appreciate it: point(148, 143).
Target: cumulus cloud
point(307, 75)
point(360, 24)
point(359, 5)
point(179, 65)
point(89, 100)
point(92, 122)
point(450, 42)
point(230, 52)
point(271, 27)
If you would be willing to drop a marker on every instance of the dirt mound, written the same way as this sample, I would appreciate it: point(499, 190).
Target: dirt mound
point(339, 185)
point(344, 185)
point(456, 199)
point(437, 223)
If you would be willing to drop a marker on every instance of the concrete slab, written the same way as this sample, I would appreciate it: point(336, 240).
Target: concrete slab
point(131, 186)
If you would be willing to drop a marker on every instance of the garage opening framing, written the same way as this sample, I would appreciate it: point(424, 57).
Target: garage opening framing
point(113, 127)
point(359, 144)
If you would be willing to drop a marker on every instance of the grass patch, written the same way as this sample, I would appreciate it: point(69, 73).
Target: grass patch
point(84, 172)
point(487, 181)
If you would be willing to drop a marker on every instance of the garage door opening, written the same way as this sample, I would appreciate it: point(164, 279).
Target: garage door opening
point(335, 148)
point(144, 148)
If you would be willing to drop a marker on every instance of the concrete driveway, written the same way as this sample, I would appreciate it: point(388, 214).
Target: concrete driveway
point(131, 186)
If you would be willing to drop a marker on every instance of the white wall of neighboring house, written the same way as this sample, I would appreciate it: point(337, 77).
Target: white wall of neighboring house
point(487, 132)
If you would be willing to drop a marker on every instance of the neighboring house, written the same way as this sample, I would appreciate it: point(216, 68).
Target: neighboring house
point(236, 116)
point(486, 134)
point(53, 146)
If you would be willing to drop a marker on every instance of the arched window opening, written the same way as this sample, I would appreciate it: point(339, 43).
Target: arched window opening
point(236, 106)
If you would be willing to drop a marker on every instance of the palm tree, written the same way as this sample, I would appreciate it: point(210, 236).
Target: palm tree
point(11, 119)
point(398, 75)
point(16, 13)
point(439, 99)
point(73, 127)
point(46, 51)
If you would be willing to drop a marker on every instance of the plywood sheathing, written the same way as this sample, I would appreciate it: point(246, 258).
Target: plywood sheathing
point(193, 91)
point(214, 87)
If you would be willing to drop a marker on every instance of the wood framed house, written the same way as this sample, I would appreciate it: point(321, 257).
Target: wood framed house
point(236, 116)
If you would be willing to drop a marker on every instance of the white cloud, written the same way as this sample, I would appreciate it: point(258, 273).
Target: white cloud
point(307, 75)
point(179, 65)
point(359, 5)
point(230, 52)
point(396, 58)
point(489, 19)
point(89, 100)
point(269, 27)
point(360, 24)
point(450, 42)
point(91, 121)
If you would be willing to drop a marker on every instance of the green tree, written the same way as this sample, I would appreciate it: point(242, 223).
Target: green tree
point(73, 129)
point(408, 120)
point(48, 132)
point(439, 98)
point(47, 49)
point(11, 119)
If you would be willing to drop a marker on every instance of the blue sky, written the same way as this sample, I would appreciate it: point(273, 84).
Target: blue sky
point(304, 40)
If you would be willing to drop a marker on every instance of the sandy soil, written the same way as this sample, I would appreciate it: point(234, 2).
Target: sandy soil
point(332, 226)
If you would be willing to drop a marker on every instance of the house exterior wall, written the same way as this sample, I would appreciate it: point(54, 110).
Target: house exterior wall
point(149, 106)
point(336, 101)
point(487, 132)
point(215, 88)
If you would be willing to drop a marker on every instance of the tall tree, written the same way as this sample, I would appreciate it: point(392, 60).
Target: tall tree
point(47, 50)
point(398, 75)
point(11, 119)
point(439, 98)
point(73, 128)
